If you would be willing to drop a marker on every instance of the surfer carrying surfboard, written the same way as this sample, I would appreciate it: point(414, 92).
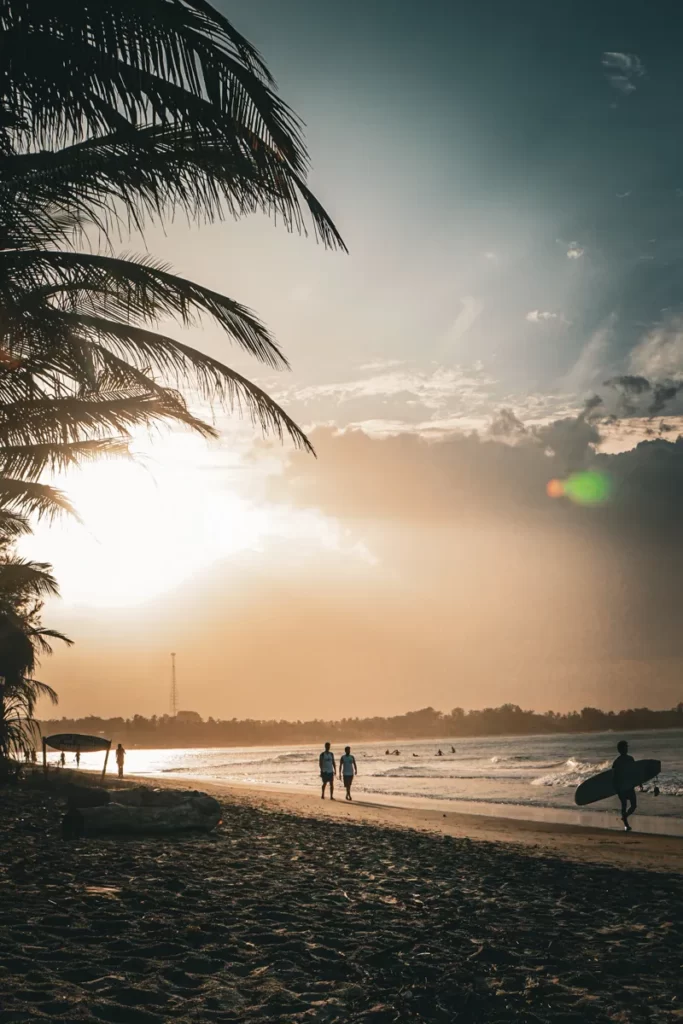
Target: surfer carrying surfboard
point(622, 769)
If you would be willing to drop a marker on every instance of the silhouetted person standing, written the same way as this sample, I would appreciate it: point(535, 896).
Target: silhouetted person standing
point(347, 769)
point(78, 759)
point(120, 758)
point(62, 760)
point(626, 793)
point(327, 769)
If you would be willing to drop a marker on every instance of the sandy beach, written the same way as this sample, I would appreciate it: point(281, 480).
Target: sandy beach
point(571, 842)
point(293, 911)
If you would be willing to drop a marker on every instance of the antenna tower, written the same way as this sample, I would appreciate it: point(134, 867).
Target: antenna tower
point(174, 688)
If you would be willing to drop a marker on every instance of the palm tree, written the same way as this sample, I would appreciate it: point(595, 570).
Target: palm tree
point(22, 639)
point(110, 110)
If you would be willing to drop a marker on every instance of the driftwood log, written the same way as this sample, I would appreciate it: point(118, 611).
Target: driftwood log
point(158, 812)
point(144, 797)
point(85, 796)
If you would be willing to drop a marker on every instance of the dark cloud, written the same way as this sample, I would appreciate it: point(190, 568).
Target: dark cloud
point(466, 477)
point(507, 425)
point(466, 523)
point(629, 384)
point(632, 388)
point(663, 394)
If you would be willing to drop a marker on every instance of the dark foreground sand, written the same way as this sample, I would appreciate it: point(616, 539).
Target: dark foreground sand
point(283, 917)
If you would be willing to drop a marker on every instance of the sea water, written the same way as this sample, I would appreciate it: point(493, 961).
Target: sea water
point(521, 777)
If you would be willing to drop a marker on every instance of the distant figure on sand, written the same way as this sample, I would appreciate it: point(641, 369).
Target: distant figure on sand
point(120, 758)
point(78, 759)
point(452, 750)
point(327, 770)
point(439, 753)
point(62, 760)
point(347, 769)
point(626, 793)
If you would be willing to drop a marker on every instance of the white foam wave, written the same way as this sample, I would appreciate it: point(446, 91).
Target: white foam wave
point(408, 771)
point(573, 772)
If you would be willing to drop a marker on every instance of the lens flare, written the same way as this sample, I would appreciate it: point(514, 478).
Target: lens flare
point(586, 488)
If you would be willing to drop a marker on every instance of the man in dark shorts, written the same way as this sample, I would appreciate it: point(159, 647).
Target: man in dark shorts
point(347, 769)
point(627, 794)
point(327, 769)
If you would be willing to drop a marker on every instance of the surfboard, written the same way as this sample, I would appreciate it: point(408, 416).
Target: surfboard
point(600, 787)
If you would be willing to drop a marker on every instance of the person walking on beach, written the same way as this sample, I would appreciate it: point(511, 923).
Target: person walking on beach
point(120, 758)
point(327, 769)
point(78, 759)
point(626, 793)
point(347, 769)
point(62, 760)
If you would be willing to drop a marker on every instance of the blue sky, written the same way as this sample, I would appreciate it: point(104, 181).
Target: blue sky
point(510, 184)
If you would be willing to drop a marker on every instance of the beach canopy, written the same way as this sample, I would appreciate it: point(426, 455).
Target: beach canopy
point(76, 743)
point(73, 742)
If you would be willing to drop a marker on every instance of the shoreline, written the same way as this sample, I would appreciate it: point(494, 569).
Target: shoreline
point(578, 843)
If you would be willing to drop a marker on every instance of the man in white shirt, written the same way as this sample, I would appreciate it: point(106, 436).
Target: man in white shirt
point(347, 769)
point(327, 769)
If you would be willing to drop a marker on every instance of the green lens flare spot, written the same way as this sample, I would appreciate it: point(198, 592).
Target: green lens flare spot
point(588, 488)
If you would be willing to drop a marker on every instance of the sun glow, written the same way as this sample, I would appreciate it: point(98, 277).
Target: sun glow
point(149, 524)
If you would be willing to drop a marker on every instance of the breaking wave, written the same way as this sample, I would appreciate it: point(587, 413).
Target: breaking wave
point(573, 773)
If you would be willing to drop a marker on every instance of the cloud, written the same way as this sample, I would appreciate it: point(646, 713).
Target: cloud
point(470, 310)
point(575, 251)
point(432, 389)
point(664, 393)
point(571, 440)
point(660, 353)
point(539, 316)
point(623, 70)
point(479, 582)
point(629, 388)
point(465, 528)
point(380, 364)
point(469, 476)
point(591, 363)
point(507, 425)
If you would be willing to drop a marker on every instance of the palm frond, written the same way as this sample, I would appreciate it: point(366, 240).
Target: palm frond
point(151, 173)
point(106, 71)
point(29, 498)
point(12, 525)
point(40, 421)
point(30, 461)
point(41, 639)
point(120, 62)
point(30, 691)
point(138, 288)
point(23, 575)
point(101, 297)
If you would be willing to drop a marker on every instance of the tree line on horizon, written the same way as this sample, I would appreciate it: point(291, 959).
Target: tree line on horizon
point(113, 117)
point(427, 723)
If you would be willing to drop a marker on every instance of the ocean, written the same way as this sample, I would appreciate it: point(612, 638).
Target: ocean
point(531, 777)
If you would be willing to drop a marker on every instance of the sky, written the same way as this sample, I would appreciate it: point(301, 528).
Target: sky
point(509, 181)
